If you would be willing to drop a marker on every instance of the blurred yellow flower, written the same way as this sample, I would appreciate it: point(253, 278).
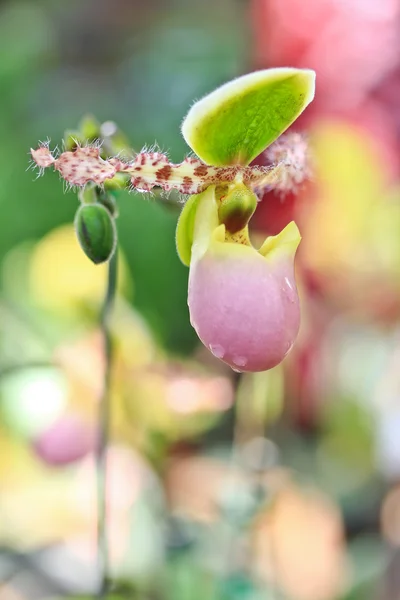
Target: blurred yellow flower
point(299, 544)
point(63, 279)
point(351, 241)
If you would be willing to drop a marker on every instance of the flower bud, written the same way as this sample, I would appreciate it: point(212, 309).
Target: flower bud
point(96, 232)
point(89, 128)
point(243, 303)
point(72, 139)
point(236, 207)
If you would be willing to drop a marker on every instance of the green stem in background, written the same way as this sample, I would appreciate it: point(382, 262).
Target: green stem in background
point(247, 497)
point(104, 427)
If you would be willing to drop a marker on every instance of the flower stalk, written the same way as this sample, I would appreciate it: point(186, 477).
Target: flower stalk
point(104, 428)
point(85, 164)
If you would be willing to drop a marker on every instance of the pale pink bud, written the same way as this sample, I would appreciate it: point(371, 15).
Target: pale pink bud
point(243, 302)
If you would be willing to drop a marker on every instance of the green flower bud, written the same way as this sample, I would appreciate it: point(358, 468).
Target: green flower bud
point(96, 232)
point(236, 207)
point(108, 200)
point(115, 141)
point(89, 128)
point(120, 181)
point(72, 139)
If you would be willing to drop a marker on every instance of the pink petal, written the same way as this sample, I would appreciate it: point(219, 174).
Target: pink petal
point(245, 308)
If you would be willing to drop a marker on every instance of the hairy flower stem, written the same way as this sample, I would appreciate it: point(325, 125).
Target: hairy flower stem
point(288, 167)
point(104, 428)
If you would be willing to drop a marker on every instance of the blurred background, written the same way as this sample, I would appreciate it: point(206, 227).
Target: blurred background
point(276, 486)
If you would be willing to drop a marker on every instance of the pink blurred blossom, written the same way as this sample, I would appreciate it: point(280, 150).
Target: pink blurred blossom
point(351, 45)
point(68, 440)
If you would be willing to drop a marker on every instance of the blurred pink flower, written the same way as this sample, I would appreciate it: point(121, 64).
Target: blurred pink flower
point(187, 394)
point(351, 45)
point(68, 440)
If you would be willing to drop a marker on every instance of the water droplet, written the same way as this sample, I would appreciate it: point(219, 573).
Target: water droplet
point(236, 370)
point(239, 361)
point(217, 350)
point(288, 347)
point(288, 283)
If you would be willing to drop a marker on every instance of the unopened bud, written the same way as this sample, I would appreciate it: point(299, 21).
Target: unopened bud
point(72, 139)
point(96, 232)
point(89, 128)
point(108, 200)
point(120, 181)
point(236, 207)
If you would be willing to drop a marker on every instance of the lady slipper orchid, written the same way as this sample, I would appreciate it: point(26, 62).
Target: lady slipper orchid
point(243, 302)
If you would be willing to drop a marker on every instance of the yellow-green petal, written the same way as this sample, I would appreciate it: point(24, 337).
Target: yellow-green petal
point(288, 239)
point(236, 122)
point(185, 228)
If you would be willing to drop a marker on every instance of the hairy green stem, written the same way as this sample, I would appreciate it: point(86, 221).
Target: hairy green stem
point(104, 428)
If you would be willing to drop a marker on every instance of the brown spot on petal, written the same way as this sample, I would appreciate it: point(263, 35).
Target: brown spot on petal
point(192, 160)
point(164, 173)
point(201, 171)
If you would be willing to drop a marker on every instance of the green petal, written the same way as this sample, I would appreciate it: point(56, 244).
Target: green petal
point(236, 122)
point(197, 224)
point(185, 228)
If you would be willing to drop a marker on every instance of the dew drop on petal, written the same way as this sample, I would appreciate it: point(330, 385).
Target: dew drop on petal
point(288, 347)
point(288, 283)
point(217, 350)
point(239, 361)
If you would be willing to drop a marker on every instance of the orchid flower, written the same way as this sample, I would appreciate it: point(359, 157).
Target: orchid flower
point(243, 301)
